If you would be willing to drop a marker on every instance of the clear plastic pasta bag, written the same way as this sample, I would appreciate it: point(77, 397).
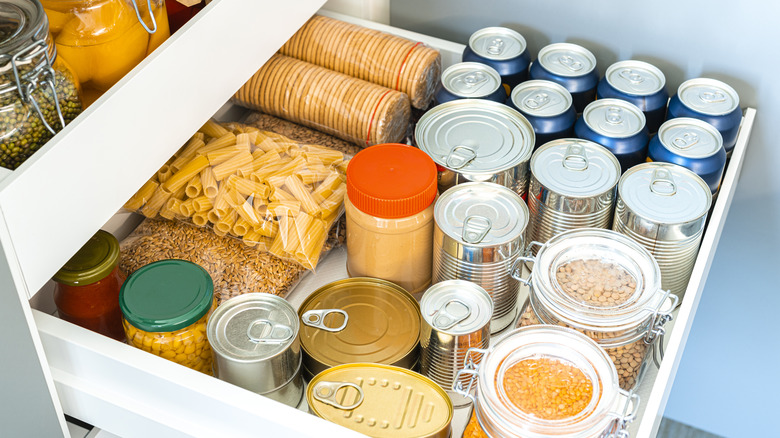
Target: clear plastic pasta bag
point(272, 193)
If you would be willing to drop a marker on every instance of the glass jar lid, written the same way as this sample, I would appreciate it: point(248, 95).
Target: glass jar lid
point(22, 22)
point(93, 262)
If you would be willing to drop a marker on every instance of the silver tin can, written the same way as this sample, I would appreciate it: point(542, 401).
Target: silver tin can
point(477, 140)
point(470, 80)
point(254, 339)
point(664, 207)
point(456, 317)
point(479, 232)
point(572, 186)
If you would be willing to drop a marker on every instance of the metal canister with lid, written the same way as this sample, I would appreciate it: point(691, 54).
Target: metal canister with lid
point(469, 80)
point(254, 340)
point(359, 320)
point(664, 207)
point(693, 144)
point(476, 140)
point(381, 401)
point(503, 49)
point(572, 186)
point(456, 317)
point(570, 65)
point(712, 101)
point(618, 126)
point(548, 107)
point(479, 233)
point(640, 83)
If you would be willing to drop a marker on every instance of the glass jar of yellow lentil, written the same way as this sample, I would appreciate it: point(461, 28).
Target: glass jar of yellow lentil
point(165, 307)
point(545, 381)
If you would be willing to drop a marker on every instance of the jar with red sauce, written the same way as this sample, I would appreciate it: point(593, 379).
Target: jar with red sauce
point(87, 292)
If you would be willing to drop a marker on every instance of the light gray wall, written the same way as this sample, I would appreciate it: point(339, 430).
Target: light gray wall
point(725, 372)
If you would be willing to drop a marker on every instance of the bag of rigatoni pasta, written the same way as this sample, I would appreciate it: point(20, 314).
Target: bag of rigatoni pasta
point(272, 193)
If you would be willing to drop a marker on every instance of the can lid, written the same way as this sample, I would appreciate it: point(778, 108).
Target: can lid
point(475, 136)
point(541, 98)
point(456, 307)
point(93, 262)
point(708, 96)
point(24, 22)
point(166, 295)
point(497, 43)
point(689, 137)
point(471, 80)
point(252, 327)
point(614, 118)
point(664, 193)
point(566, 59)
point(636, 78)
point(391, 181)
point(575, 167)
point(481, 214)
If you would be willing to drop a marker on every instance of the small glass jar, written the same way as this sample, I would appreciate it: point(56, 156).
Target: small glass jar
point(389, 209)
point(39, 94)
point(165, 307)
point(87, 287)
point(545, 381)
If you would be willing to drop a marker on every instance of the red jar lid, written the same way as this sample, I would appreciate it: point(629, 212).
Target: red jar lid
point(391, 181)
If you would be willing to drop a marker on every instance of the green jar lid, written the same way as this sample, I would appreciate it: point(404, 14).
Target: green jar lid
point(93, 262)
point(166, 295)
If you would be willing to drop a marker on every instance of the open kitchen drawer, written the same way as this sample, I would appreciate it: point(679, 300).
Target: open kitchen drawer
point(79, 180)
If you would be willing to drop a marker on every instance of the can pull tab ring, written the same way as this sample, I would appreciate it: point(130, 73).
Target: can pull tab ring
point(474, 78)
point(326, 392)
point(316, 319)
point(263, 331)
point(460, 156)
point(495, 46)
point(632, 76)
point(614, 115)
point(685, 140)
point(713, 96)
point(662, 183)
point(570, 63)
point(452, 313)
point(475, 228)
point(575, 158)
point(537, 101)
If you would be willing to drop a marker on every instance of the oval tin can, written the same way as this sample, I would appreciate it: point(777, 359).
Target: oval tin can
point(618, 126)
point(640, 83)
point(469, 80)
point(503, 49)
point(572, 66)
point(547, 106)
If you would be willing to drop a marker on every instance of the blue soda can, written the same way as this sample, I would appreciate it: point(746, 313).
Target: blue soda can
point(640, 83)
point(693, 144)
point(570, 65)
point(712, 101)
point(469, 80)
point(618, 126)
point(548, 107)
point(503, 49)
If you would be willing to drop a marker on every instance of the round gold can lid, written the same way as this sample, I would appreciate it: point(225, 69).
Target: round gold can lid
point(381, 401)
point(359, 320)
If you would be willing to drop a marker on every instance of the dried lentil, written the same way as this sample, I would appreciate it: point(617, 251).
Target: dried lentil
point(596, 283)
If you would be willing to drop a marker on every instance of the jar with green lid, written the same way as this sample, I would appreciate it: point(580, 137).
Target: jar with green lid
point(39, 93)
point(87, 287)
point(165, 307)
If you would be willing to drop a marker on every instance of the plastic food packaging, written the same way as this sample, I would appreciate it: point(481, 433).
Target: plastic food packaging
point(258, 186)
point(335, 103)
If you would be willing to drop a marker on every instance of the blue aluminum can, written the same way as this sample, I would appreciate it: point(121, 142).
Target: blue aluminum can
point(618, 126)
point(548, 107)
point(640, 83)
point(503, 49)
point(469, 80)
point(570, 65)
point(693, 144)
point(712, 101)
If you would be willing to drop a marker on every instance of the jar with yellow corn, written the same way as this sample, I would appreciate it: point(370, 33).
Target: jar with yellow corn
point(165, 307)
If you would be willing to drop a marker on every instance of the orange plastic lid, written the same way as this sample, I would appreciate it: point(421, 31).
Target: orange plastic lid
point(391, 181)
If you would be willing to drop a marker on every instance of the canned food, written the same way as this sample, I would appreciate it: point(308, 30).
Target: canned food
point(606, 286)
point(476, 140)
point(693, 144)
point(664, 207)
point(548, 108)
point(359, 320)
point(570, 65)
point(381, 401)
point(712, 101)
point(254, 339)
point(640, 83)
point(572, 186)
point(479, 232)
point(544, 381)
point(470, 80)
point(504, 50)
point(618, 126)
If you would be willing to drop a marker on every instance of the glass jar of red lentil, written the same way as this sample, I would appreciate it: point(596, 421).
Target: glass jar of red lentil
point(605, 285)
point(546, 381)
